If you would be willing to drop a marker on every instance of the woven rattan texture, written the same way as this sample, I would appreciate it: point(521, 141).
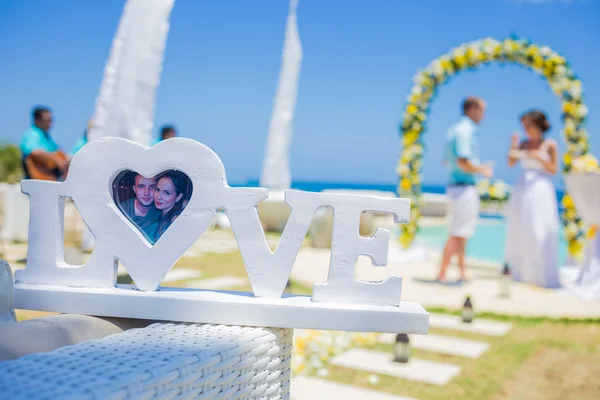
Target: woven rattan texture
point(162, 361)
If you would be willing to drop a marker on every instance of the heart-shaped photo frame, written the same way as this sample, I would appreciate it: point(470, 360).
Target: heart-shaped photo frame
point(152, 204)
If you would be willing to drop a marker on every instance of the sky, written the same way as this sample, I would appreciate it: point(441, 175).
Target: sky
point(223, 59)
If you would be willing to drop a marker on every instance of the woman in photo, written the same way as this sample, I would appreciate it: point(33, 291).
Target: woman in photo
point(169, 199)
point(532, 218)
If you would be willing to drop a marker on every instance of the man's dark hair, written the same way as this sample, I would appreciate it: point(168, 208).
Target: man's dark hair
point(37, 112)
point(469, 103)
point(166, 129)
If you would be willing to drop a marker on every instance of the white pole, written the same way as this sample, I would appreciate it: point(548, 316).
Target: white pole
point(276, 165)
point(125, 105)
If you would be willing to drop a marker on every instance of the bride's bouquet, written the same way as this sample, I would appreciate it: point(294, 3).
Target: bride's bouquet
point(494, 191)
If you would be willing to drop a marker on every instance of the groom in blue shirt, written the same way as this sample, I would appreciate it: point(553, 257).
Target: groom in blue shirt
point(462, 156)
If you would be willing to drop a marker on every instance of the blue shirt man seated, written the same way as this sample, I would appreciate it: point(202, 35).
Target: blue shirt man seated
point(42, 157)
point(462, 157)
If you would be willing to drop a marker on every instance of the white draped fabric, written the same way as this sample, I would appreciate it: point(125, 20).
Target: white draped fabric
point(276, 165)
point(125, 105)
point(585, 191)
point(533, 227)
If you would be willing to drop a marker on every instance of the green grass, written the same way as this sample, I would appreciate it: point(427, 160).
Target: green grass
point(486, 377)
point(490, 376)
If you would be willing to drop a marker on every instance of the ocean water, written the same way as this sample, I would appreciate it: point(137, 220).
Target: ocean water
point(487, 244)
point(315, 186)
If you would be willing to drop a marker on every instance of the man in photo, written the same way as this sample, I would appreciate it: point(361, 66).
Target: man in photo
point(140, 209)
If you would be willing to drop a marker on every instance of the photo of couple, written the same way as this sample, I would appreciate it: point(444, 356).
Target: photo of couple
point(152, 204)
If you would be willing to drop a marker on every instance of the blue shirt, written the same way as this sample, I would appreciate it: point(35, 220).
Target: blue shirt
point(35, 139)
point(461, 142)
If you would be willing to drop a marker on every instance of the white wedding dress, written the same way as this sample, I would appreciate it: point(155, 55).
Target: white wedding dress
point(532, 226)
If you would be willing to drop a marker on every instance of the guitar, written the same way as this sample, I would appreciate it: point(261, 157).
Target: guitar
point(46, 170)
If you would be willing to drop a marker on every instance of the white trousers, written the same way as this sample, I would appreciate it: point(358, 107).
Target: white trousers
point(463, 210)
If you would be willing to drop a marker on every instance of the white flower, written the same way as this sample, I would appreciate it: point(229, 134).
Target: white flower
point(298, 363)
point(581, 111)
point(420, 78)
point(436, 68)
point(315, 361)
point(545, 51)
point(323, 372)
point(571, 230)
point(570, 125)
point(489, 45)
point(559, 84)
point(403, 169)
point(373, 379)
point(576, 90)
point(561, 70)
point(458, 52)
point(417, 90)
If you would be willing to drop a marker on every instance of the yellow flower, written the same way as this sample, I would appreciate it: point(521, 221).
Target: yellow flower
point(497, 50)
point(567, 201)
point(446, 65)
point(538, 62)
point(568, 108)
point(460, 61)
point(569, 126)
point(567, 159)
point(591, 233)
point(411, 109)
point(570, 214)
point(510, 46)
point(533, 50)
point(575, 248)
point(405, 184)
point(557, 59)
point(405, 241)
point(586, 163)
point(469, 54)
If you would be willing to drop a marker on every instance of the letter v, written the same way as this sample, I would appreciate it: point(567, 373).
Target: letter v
point(269, 271)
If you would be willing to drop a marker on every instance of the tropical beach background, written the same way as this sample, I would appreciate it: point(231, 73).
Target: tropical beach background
point(217, 86)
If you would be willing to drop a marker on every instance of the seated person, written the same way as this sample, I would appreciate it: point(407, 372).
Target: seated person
point(140, 209)
point(40, 152)
point(166, 132)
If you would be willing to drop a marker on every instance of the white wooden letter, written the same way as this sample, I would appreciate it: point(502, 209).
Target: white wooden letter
point(45, 254)
point(347, 245)
point(269, 271)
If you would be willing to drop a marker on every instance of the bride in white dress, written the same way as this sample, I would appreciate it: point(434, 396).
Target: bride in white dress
point(532, 220)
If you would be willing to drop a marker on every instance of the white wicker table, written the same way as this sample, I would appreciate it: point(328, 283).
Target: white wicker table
point(162, 361)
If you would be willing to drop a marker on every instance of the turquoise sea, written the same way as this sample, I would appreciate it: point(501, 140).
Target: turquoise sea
point(487, 244)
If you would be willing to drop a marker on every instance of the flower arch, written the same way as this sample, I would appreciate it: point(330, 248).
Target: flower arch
point(541, 59)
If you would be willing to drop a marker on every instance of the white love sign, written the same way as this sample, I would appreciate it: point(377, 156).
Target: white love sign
point(93, 185)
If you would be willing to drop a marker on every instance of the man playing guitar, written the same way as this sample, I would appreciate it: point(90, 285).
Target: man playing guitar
point(42, 157)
